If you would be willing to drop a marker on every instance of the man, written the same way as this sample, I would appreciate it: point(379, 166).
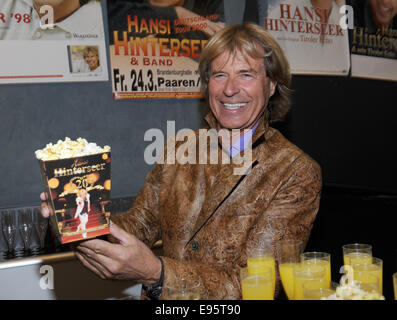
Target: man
point(90, 61)
point(206, 216)
point(91, 57)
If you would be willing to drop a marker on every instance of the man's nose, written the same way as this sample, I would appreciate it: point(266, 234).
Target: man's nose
point(231, 87)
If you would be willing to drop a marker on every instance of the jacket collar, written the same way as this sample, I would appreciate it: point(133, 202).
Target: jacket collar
point(262, 128)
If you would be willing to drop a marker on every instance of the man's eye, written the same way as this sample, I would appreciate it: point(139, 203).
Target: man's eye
point(219, 76)
point(246, 75)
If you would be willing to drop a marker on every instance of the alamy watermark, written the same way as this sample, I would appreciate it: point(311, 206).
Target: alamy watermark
point(347, 20)
point(196, 147)
point(47, 279)
point(46, 17)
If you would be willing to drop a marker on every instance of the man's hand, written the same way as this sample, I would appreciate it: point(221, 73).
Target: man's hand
point(131, 259)
point(45, 207)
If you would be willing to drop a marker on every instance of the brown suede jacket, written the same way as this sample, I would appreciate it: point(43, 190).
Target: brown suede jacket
point(207, 217)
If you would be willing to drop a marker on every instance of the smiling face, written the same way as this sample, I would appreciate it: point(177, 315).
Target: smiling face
point(383, 11)
point(92, 60)
point(239, 90)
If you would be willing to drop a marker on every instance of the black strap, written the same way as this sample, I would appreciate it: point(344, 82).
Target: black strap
point(154, 291)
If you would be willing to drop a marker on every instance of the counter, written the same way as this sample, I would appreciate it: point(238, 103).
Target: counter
point(57, 276)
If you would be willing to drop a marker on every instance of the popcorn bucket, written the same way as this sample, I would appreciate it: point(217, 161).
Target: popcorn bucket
point(79, 193)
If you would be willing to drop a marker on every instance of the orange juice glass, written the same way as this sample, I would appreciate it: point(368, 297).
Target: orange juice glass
point(320, 258)
point(308, 273)
point(362, 271)
point(257, 283)
point(357, 251)
point(263, 257)
point(288, 253)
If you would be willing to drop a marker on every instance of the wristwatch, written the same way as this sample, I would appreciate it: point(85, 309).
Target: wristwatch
point(154, 290)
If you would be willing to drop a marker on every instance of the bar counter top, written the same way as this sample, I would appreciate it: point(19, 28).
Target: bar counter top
point(40, 259)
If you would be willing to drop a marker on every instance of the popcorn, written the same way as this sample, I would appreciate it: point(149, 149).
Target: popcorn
point(350, 290)
point(73, 170)
point(69, 149)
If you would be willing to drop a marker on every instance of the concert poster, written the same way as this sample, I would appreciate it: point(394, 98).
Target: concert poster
point(61, 42)
point(373, 40)
point(310, 33)
point(155, 46)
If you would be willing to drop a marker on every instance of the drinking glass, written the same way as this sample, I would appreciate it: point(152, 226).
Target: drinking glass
point(41, 225)
point(317, 290)
point(25, 226)
point(183, 290)
point(8, 225)
point(320, 258)
point(395, 285)
point(3, 250)
point(358, 252)
point(257, 283)
point(363, 270)
point(288, 252)
point(262, 256)
point(367, 282)
point(305, 273)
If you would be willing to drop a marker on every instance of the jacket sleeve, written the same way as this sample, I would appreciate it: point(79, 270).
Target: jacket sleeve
point(295, 202)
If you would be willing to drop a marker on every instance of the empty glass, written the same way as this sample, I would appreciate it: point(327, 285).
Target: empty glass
point(40, 224)
point(183, 290)
point(25, 226)
point(8, 225)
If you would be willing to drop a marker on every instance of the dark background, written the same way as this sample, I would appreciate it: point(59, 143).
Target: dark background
point(346, 124)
